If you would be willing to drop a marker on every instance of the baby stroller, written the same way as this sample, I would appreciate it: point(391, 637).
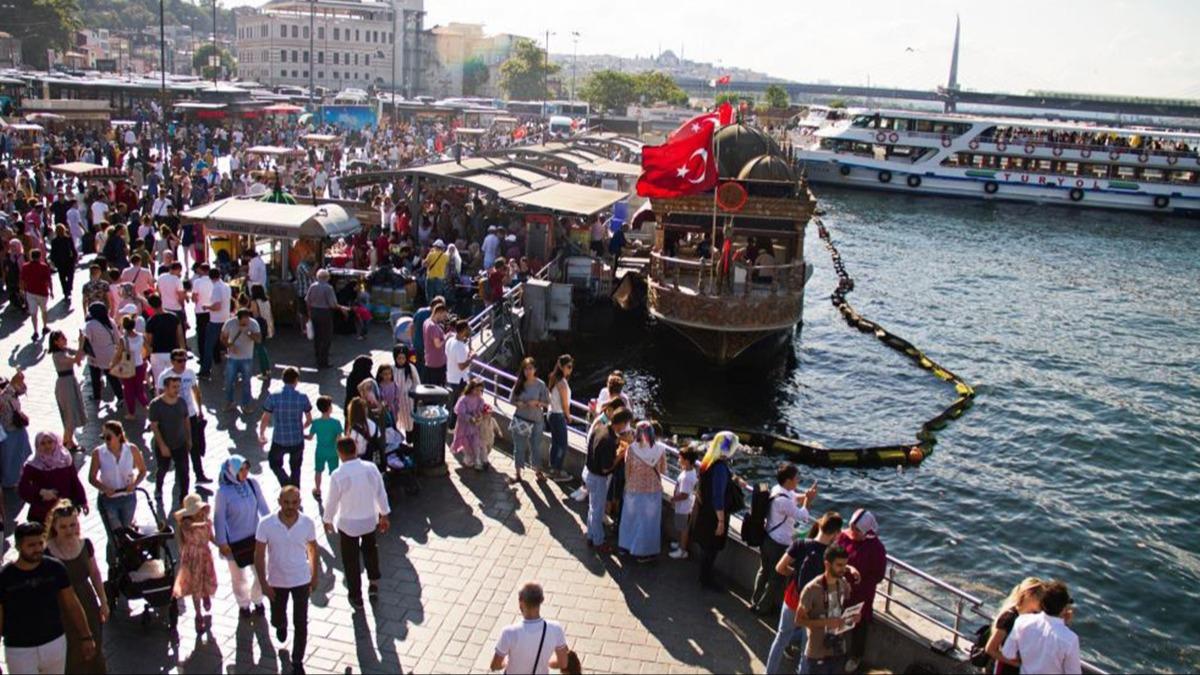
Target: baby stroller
point(141, 566)
point(396, 458)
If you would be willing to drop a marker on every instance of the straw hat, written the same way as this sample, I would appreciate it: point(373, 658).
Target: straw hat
point(192, 504)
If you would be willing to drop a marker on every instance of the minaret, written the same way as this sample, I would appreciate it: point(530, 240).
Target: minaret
point(952, 85)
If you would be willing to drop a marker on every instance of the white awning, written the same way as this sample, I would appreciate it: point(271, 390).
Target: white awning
point(280, 221)
point(274, 151)
point(571, 198)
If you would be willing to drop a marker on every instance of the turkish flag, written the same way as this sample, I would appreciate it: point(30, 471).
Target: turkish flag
point(684, 165)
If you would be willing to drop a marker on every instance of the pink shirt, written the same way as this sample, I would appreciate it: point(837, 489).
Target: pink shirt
point(141, 279)
point(435, 357)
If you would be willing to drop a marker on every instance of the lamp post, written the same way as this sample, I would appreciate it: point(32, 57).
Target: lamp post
point(574, 62)
point(162, 67)
point(216, 54)
point(312, 52)
point(403, 17)
point(546, 74)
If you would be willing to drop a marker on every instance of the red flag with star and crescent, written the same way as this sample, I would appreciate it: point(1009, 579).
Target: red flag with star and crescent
point(685, 164)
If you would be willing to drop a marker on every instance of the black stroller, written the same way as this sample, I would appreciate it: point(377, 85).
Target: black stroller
point(142, 567)
point(394, 456)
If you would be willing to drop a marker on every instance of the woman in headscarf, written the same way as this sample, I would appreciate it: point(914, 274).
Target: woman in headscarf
point(361, 370)
point(49, 476)
point(711, 526)
point(238, 506)
point(641, 516)
point(14, 449)
point(102, 339)
point(407, 380)
point(869, 558)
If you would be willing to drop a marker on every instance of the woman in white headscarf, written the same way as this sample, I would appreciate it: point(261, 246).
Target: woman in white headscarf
point(641, 515)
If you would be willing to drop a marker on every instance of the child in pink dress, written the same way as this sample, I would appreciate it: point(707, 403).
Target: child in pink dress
point(197, 575)
point(467, 439)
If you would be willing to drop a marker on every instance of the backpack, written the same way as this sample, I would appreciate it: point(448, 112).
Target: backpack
point(978, 657)
point(754, 525)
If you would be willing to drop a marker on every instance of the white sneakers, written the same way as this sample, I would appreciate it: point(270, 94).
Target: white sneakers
point(678, 554)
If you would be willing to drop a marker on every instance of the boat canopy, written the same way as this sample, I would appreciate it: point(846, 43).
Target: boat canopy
point(275, 151)
point(88, 170)
point(237, 215)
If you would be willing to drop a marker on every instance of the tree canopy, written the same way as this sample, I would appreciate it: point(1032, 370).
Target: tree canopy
point(736, 99)
point(475, 75)
point(42, 25)
point(141, 14)
point(777, 97)
point(200, 60)
point(524, 76)
point(613, 90)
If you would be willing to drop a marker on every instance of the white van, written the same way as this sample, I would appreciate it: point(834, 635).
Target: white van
point(560, 127)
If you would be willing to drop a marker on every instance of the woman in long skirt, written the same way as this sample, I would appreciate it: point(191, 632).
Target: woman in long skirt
point(15, 448)
point(641, 517)
point(67, 393)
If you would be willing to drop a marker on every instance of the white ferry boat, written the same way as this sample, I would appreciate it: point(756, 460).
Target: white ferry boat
point(1139, 169)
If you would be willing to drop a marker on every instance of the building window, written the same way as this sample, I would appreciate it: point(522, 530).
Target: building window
point(337, 34)
point(283, 73)
point(356, 37)
point(304, 32)
point(320, 74)
point(320, 57)
point(306, 56)
point(283, 56)
point(335, 58)
point(295, 31)
point(306, 73)
point(282, 30)
point(320, 32)
point(335, 74)
point(263, 30)
point(367, 58)
point(295, 57)
point(295, 74)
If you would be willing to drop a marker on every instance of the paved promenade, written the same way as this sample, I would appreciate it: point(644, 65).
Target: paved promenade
point(452, 562)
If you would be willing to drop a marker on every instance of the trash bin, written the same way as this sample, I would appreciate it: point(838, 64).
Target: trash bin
point(429, 425)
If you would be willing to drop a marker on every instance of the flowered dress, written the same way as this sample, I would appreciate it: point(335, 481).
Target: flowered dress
point(467, 439)
point(197, 574)
point(389, 396)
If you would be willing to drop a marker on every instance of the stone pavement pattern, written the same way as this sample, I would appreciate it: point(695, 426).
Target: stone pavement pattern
point(452, 562)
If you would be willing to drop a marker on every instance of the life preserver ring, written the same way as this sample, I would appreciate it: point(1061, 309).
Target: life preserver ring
point(1001, 146)
point(881, 137)
point(913, 180)
point(1144, 157)
point(1114, 155)
point(1172, 160)
point(974, 144)
point(893, 137)
point(1029, 148)
point(1076, 194)
point(885, 176)
point(844, 170)
point(1058, 151)
point(991, 187)
point(945, 141)
point(1085, 153)
point(1162, 202)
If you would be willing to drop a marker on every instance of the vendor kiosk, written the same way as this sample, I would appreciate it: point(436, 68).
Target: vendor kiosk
point(284, 234)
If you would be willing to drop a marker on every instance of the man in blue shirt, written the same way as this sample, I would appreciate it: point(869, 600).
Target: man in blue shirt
point(291, 412)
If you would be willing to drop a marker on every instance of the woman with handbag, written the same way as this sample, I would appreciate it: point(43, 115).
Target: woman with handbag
point(407, 380)
point(532, 399)
point(14, 449)
point(239, 505)
point(641, 515)
point(101, 348)
point(129, 366)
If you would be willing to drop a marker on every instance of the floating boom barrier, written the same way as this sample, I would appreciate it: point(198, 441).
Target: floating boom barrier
point(899, 454)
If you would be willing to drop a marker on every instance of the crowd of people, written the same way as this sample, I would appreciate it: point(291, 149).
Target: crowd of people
point(1082, 137)
point(155, 304)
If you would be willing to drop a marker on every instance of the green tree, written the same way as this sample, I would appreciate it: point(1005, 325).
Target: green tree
point(200, 60)
point(777, 97)
point(837, 103)
point(736, 99)
point(609, 90)
point(524, 76)
point(475, 75)
point(42, 25)
point(656, 87)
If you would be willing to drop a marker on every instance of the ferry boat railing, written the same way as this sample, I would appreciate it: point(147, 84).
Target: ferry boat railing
point(699, 276)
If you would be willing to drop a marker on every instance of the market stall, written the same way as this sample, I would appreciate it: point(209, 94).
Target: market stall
point(284, 234)
point(29, 140)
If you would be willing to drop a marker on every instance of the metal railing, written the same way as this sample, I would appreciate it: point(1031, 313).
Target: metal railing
point(700, 276)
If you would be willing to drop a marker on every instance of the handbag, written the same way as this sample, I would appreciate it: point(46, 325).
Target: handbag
point(122, 367)
point(19, 419)
point(243, 551)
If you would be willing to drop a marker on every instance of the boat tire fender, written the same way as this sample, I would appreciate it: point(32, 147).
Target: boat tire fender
point(974, 144)
point(1114, 155)
point(1172, 160)
point(991, 187)
point(1029, 148)
point(1058, 151)
point(945, 140)
point(885, 176)
point(893, 137)
point(1143, 158)
point(1001, 146)
point(1162, 202)
point(913, 180)
point(844, 170)
point(1076, 194)
point(881, 137)
point(1085, 153)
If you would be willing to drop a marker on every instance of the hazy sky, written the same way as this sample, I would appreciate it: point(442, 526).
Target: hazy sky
point(1147, 48)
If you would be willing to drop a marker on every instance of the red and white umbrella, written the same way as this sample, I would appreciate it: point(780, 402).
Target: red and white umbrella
point(283, 109)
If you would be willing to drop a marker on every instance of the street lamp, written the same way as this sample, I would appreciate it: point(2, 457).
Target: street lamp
point(215, 54)
point(574, 61)
point(546, 74)
point(312, 52)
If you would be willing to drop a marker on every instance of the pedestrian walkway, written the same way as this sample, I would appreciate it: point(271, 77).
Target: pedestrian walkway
point(452, 562)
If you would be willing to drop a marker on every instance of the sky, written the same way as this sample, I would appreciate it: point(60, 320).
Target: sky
point(1145, 48)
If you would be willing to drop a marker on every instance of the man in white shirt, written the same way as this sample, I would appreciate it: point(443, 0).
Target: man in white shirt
point(491, 247)
point(785, 509)
point(170, 289)
point(99, 211)
point(159, 210)
point(189, 388)
point(1042, 643)
point(458, 361)
point(357, 502)
point(218, 314)
point(75, 224)
point(257, 270)
point(285, 560)
point(535, 645)
point(201, 299)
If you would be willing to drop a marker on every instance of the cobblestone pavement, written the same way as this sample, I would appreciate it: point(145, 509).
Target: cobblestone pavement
point(452, 562)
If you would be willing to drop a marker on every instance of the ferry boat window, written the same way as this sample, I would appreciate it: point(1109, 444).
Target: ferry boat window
point(863, 121)
point(1155, 175)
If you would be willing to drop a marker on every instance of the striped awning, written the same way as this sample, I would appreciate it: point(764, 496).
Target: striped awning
point(87, 170)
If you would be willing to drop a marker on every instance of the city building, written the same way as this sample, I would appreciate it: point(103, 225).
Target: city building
point(456, 46)
point(10, 51)
point(336, 44)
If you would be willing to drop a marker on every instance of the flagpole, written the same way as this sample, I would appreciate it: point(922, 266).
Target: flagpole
point(717, 162)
